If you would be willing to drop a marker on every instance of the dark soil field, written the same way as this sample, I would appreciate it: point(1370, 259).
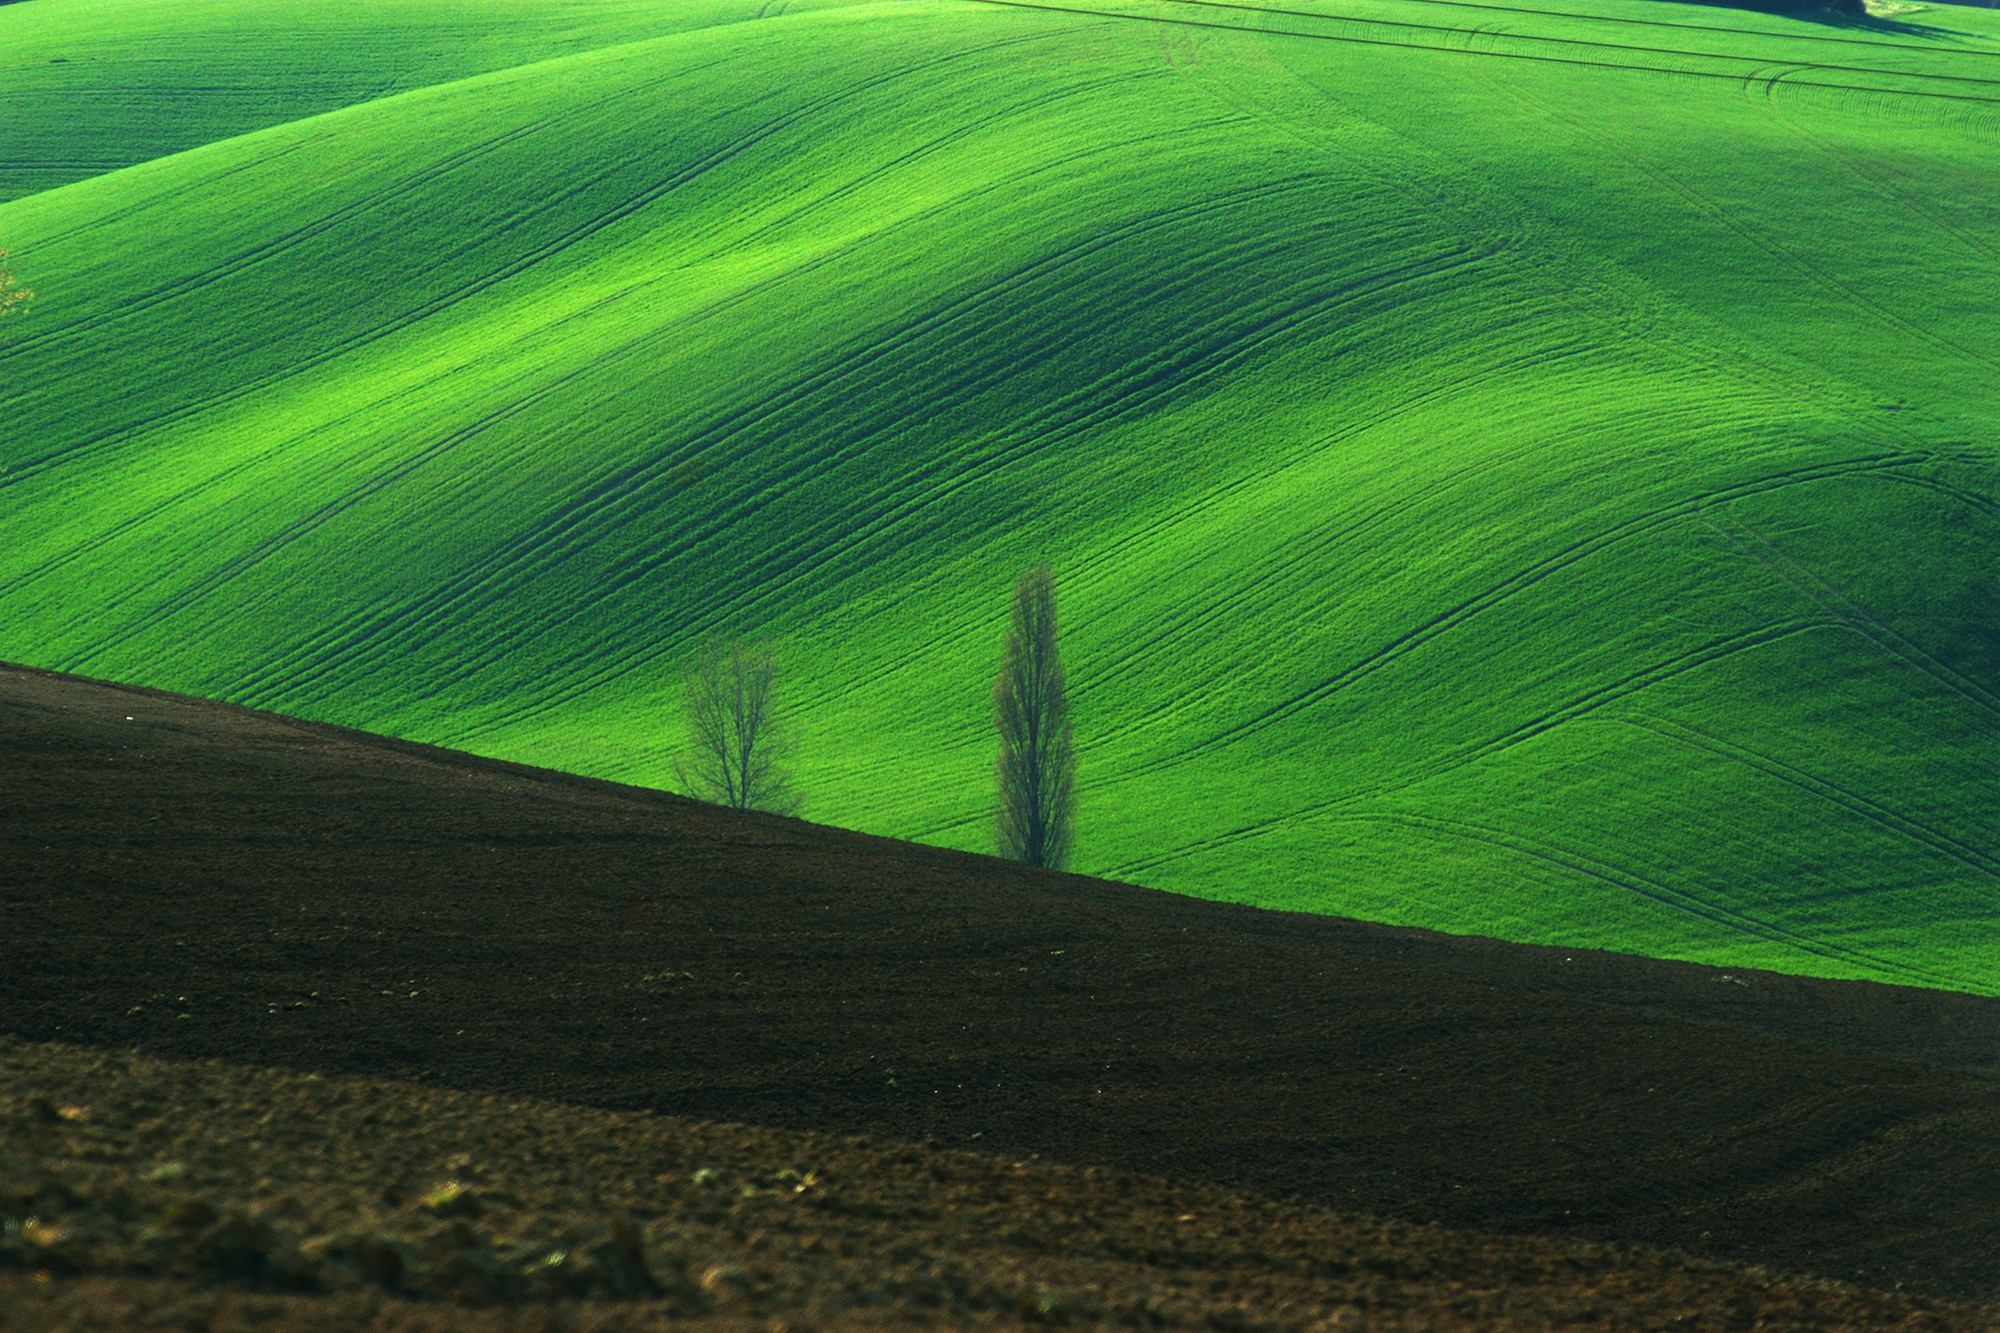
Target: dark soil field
point(193, 881)
point(194, 1196)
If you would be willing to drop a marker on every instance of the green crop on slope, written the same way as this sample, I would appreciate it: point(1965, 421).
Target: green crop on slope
point(1518, 486)
point(89, 86)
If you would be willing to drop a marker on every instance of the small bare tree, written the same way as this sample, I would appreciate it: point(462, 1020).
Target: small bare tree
point(1037, 766)
point(736, 748)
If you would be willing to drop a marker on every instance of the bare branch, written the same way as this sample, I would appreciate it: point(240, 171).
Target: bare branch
point(735, 748)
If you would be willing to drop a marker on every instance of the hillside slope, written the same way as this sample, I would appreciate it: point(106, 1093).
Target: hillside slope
point(199, 881)
point(90, 86)
point(1538, 486)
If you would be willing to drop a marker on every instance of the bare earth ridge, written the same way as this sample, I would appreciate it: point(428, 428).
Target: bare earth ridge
point(200, 881)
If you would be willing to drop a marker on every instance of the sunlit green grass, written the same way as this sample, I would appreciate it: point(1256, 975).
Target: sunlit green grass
point(1504, 495)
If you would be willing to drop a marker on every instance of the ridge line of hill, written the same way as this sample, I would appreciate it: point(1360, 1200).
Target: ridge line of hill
point(521, 68)
point(1795, 1006)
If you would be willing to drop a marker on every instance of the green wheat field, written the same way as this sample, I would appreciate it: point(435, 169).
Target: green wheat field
point(1531, 472)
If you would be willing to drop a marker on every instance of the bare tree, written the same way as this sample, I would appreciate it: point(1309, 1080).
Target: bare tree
point(1037, 766)
point(735, 746)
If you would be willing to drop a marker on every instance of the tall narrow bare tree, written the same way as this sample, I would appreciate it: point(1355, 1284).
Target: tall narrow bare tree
point(1037, 766)
point(736, 746)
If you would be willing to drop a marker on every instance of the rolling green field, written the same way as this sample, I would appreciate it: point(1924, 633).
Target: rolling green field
point(1518, 473)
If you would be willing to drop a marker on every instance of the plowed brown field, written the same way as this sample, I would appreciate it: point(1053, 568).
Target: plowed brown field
point(194, 880)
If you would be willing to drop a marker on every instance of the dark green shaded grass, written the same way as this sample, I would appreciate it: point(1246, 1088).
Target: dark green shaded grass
point(1531, 499)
